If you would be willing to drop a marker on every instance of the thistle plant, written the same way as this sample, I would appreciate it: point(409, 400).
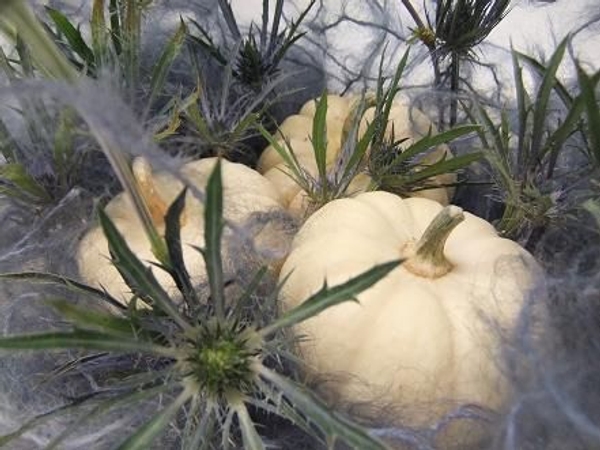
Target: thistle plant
point(376, 155)
point(451, 33)
point(527, 159)
point(222, 118)
point(255, 58)
point(49, 154)
point(211, 354)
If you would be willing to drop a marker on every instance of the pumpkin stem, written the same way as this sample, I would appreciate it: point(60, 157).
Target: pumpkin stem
point(428, 259)
point(143, 176)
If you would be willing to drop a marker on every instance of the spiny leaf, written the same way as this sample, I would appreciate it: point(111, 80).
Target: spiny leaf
point(129, 399)
point(143, 438)
point(327, 297)
point(213, 229)
point(332, 424)
point(250, 436)
point(89, 319)
point(138, 277)
point(69, 283)
point(178, 269)
point(81, 339)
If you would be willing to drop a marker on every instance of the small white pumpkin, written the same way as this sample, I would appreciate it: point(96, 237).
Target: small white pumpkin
point(245, 192)
point(419, 336)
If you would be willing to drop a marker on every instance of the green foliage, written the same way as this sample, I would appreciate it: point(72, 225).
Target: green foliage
point(209, 355)
point(256, 58)
point(375, 153)
point(453, 30)
point(461, 25)
point(524, 156)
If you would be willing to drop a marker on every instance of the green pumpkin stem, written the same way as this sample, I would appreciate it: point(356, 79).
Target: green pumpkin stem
point(428, 259)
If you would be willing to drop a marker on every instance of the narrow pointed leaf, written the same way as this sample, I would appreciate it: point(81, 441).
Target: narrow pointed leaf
point(74, 38)
point(319, 136)
point(587, 85)
point(428, 142)
point(327, 297)
point(16, 174)
point(45, 53)
point(250, 436)
point(178, 269)
point(213, 229)
point(138, 277)
point(89, 319)
point(543, 99)
point(129, 399)
point(332, 424)
point(80, 339)
point(426, 172)
point(69, 283)
point(165, 61)
point(144, 437)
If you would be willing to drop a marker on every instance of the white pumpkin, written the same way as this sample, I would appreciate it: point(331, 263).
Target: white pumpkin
point(244, 192)
point(420, 335)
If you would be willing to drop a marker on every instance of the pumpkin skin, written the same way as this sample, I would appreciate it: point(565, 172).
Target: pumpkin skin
point(404, 120)
point(245, 192)
point(412, 339)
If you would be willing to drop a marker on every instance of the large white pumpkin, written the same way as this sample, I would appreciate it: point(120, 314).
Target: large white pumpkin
point(420, 336)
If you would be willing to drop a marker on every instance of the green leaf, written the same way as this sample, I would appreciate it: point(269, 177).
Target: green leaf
point(143, 438)
point(74, 38)
point(165, 61)
point(213, 229)
point(63, 150)
point(412, 180)
point(334, 425)
point(81, 339)
point(319, 136)
point(587, 85)
point(540, 111)
point(173, 238)
point(46, 55)
point(137, 276)
point(250, 436)
point(327, 297)
point(89, 319)
point(430, 141)
point(129, 399)
point(541, 70)
point(16, 174)
point(99, 31)
point(69, 283)
point(116, 30)
point(289, 158)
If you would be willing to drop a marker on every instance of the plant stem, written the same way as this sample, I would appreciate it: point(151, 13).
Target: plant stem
point(428, 260)
point(454, 86)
